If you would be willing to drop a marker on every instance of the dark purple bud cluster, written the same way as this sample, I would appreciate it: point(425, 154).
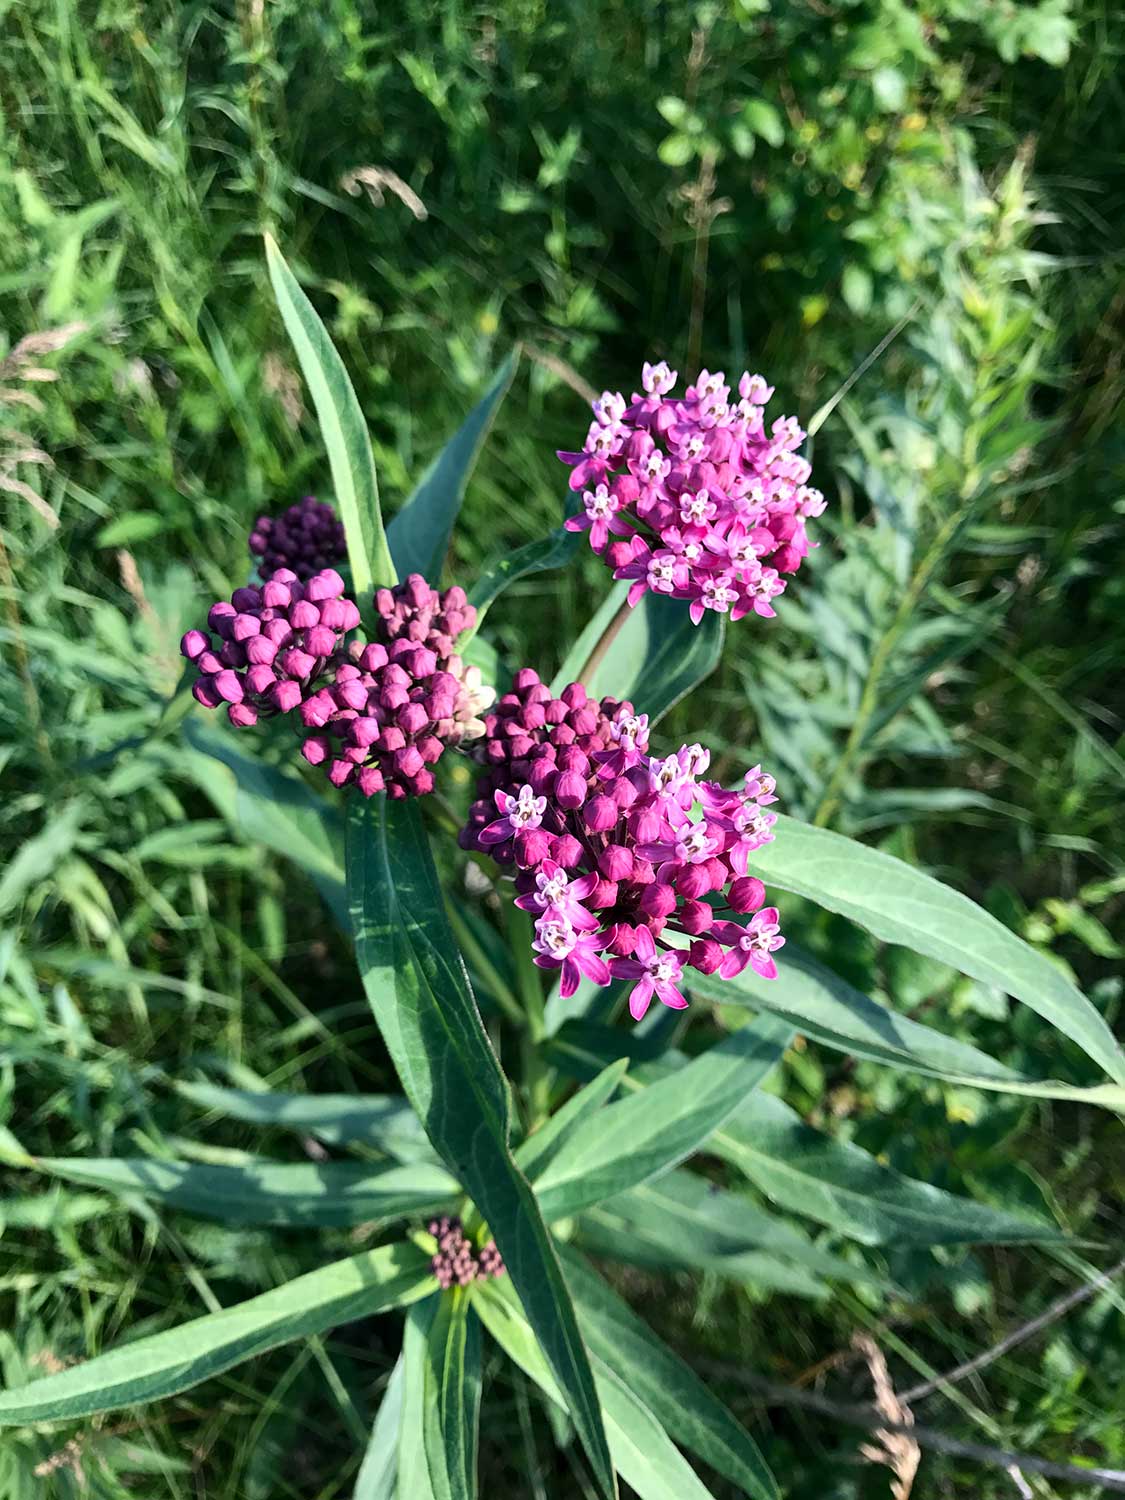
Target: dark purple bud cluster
point(396, 704)
point(305, 538)
point(456, 1263)
point(275, 643)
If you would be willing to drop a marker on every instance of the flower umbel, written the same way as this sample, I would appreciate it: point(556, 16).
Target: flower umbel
point(710, 507)
point(627, 861)
point(455, 1262)
point(305, 538)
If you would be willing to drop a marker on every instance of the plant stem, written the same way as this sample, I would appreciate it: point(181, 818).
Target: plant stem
point(831, 796)
point(608, 636)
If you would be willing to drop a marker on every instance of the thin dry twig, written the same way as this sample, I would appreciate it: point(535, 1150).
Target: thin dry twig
point(893, 1446)
point(1058, 1309)
point(376, 182)
point(559, 367)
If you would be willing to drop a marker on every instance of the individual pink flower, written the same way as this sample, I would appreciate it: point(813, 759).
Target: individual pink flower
point(656, 973)
point(755, 944)
point(518, 814)
point(559, 945)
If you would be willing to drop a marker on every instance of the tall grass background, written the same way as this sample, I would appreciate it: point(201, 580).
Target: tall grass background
point(794, 188)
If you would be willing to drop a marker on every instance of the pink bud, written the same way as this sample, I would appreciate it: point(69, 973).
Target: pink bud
point(570, 790)
point(583, 720)
point(351, 693)
point(285, 695)
point(260, 651)
point(320, 641)
point(220, 618)
point(718, 873)
point(241, 715)
point(193, 644)
point(623, 792)
point(623, 940)
point(279, 631)
point(600, 814)
point(646, 825)
point(245, 626)
point(315, 750)
point(326, 584)
point(340, 772)
point(542, 777)
point(317, 710)
point(693, 881)
point(391, 739)
point(615, 862)
point(532, 846)
point(246, 598)
point(260, 678)
point(555, 711)
point(205, 693)
point(369, 779)
point(568, 852)
point(574, 695)
point(412, 718)
point(304, 615)
point(228, 686)
point(524, 679)
point(705, 955)
point(297, 663)
point(746, 894)
point(431, 749)
point(696, 917)
point(408, 761)
point(658, 900)
point(277, 595)
point(373, 657)
point(364, 731)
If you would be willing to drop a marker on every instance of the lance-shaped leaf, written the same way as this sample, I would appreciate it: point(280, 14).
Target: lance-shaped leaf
point(551, 551)
point(343, 428)
point(901, 904)
point(655, 657)
point(535, 1153)
point(420, 995)
point(841, 1185)
point(175, 1360)
point(266, 1192)
point(650, 1132)
point(671, 1389)
point(684, 1220)
point(806, 1172)
point(642, 1452)
point(825, 1006)
point(273, 808)
point(441, 1410)
point(419, 533)
point(383, 1121)
point(378, 1473)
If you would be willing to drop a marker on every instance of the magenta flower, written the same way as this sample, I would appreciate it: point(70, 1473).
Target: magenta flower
point(715, 507)
point(614, 847)
point(558, 945)
point(755, 944)
point(656, 974)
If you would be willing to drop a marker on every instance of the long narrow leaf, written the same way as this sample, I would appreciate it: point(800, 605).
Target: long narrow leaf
point(419, 533)
point(322, 1194)
point(633, 1140)
point(378, 1473)
point(670, 1389)
point(343, 428)
point(903, 905)
point(175, 1360)
point(534, 1155)
point(551, 551)
point(642, 1453)
point(420, 995)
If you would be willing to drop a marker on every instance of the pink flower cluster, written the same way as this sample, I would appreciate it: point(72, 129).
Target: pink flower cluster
point(382, 712)
point(455, 1262)
point(616, 850)
point(396, 704)
point(706, 504)
point(275, 642)
point(305, 538)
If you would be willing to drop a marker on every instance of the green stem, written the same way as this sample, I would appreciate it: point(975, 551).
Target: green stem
point(831, 796)
point(500, 991)
point(608, 636)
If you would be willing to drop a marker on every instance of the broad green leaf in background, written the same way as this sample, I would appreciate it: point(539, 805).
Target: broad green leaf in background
point(178, 1358)
point(442, 1381)
point(537, 1151)
point(272, 807)
point(628, 1142)
point(419, 533)
point(420, 995)
point(343, 428)
point(642, 1452)
point(672, 1391)
point(378, 1473)
point(842, 1186)
point(554, 550)
point(383, 1121)
point(266, 1192)
point(903, 905)
point(656, 657)
point(824, 1006)
point(684, 1220)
